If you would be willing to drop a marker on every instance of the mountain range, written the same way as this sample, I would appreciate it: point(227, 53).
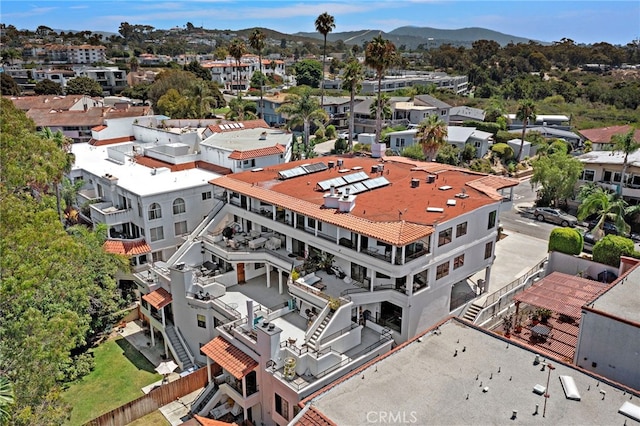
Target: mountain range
point(412, 37)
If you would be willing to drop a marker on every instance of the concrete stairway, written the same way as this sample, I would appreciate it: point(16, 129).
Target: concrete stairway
point(314, 338)
point(178, 348)
point(472, 312)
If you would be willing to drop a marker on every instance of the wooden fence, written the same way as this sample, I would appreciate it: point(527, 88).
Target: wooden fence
point(158, 397)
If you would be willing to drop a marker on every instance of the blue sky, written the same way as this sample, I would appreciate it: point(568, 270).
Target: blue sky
point(584, 21)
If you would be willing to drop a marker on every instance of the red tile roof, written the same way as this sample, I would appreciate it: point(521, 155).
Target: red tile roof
point(561, 293)
point(102, 142)
point(158, 298)
point(396, 214)
point(153, 163)
point(127, 248)
point(204, 421)
point(256, 153)
point(604, 134)
point(99, 128)
point(313, 417)
point(229, 357)
point(56, 102)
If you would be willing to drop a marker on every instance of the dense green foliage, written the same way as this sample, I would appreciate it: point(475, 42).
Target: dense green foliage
point(180, 94)
point(48, 87)
point(502, 150)
point(57, 289)
point(558, 174)
point(83, 86)
point(8, 86)
point(308, 72)
point(566, 240)
point(609, 249)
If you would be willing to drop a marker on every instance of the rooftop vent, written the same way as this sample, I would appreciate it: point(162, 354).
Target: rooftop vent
point(271, 327)
point(265, 324)
point(451, 202)
point(263, 136)
point(445, 188)
point(431, 178)
point(435, 209)
point(415, 183)
point(342, 170)
point(331, 164)
point(340, 162)
point(356, 168)
point(374, 169)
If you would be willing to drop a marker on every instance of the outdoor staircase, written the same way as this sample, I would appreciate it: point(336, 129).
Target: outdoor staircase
point(207, 395)
point(179, 349)
point(314, 337)
point(472, 312)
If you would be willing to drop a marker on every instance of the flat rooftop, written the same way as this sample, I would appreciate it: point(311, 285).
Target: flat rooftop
point(462, 375)
point(404, 204)
point(248, 139)
point(622, 299)
point(135, 177)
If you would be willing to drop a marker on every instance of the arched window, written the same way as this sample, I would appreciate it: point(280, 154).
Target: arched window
point(155, 212)
point(179, 206)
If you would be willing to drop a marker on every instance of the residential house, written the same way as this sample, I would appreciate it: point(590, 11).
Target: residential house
point(365, 120)
point(457, 136)
point(574, 140)
point(600, 138)
point(612, 321)
point(59, 76)
point(457, 84)
point(302, 273)
point(225, 72)
point(490, 380)
point(67, 54)
point(337, 108)
point(605, 169)
point(111, 79)
point(528, 149)
point(547, 120)
point(460, 114)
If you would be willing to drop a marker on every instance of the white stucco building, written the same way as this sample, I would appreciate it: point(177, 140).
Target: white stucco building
point(305, 271)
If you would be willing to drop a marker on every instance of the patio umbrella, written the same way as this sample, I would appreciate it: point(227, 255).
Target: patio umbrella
point(166, 367)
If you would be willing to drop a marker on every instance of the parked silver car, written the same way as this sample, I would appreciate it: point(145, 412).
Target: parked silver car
point(554, 216)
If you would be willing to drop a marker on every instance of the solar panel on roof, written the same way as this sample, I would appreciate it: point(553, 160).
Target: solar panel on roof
point(376, 182)
point(326, 184)
point(315, 167)
point(290, 173)
point(355, 177)
point(357, 188)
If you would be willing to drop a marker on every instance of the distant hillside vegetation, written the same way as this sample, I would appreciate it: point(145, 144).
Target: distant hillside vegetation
point(412, 37)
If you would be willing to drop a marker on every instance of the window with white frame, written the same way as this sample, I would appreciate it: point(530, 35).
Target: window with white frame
point(156, 233)
point(444, 237)
point(442, 270)
point(180, 228)
point(155, 211)
point(588, 175)
point(179, 206)
point(206, 195)
point(458, 261)
point(461, 229)
point(399, 142)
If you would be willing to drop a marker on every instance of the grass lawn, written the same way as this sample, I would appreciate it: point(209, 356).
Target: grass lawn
point(156, 419)
point(120, 372)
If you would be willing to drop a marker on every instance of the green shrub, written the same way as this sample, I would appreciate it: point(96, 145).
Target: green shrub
point(502, 150)
point(485, 127)
point(480, 165)
point(566, 240)
point(319, 133)
point(503, 136)
point(413, 151)
point(609, 249)
point(330, 132)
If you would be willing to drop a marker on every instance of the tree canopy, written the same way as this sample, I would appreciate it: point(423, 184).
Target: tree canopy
point(48, 87)
point(308, 73)
point(558, 174)
point(57, 288)
point(83, 86)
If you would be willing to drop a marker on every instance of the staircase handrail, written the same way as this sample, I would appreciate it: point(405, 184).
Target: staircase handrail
point(185, 346)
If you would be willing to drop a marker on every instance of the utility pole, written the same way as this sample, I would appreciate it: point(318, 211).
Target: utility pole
point(546, 395)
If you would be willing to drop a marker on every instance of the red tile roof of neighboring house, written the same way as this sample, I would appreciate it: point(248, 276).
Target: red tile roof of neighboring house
point(91, 118)
point(158, 298)
point(57, 102)
point(562, 293)
point(204, 421)
point(99, 128)
point(127, 248)
point(153, 163)
point(229, 357)
point(396, 214)
point(313, 417)
point(604, 134)
point(256, 153)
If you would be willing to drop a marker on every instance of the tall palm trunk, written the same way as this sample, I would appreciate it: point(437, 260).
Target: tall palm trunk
point(524, 131)
point(379, 109)
point(352, 103)
point(261, 85)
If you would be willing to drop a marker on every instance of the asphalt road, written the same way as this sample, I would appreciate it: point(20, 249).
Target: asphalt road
point(520, 218)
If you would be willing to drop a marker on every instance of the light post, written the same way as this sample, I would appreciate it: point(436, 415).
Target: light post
point(546, 395)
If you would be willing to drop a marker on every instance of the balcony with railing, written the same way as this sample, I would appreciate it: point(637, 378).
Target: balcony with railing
point(109, 214)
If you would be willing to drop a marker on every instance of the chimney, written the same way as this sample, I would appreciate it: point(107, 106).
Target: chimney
point(333, 190)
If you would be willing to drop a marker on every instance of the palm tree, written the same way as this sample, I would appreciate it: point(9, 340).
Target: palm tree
point(526, 112)
point(351, 81)
point(6, 399)
point(256, 40)
point(379, 55)
point(237, 48)
point(627, 144)
point(385, 107)
point(201, 99)
point(324, 25)
point(241, 109)
point(431, 135)
point(303, 110)
point(607, 205)
point(64, 143)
